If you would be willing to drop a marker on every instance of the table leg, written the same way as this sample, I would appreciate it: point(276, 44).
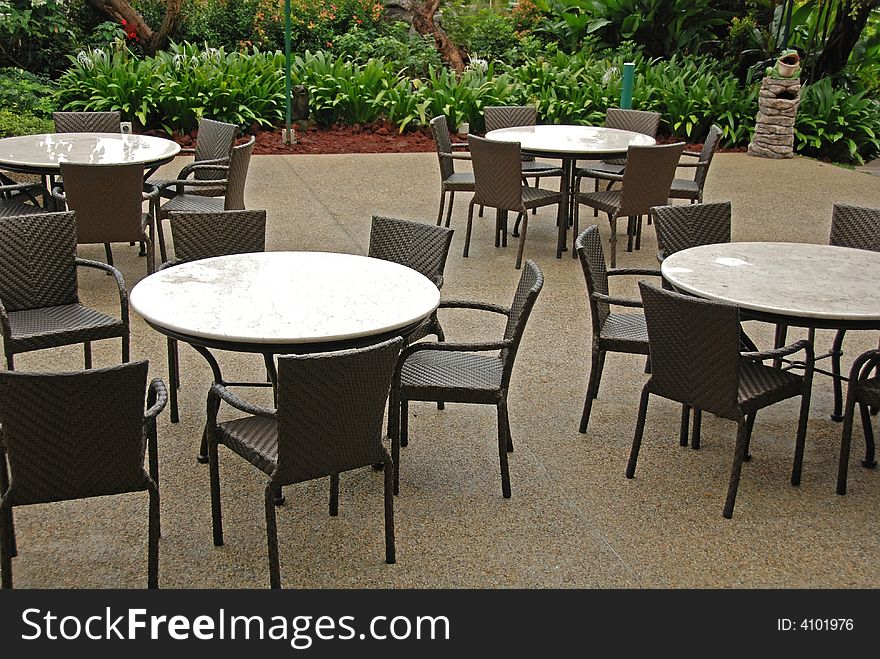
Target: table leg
point(218, 378)
point(565, 212)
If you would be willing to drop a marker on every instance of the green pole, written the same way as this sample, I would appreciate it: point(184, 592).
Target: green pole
point(288, 133)
point(626, 92)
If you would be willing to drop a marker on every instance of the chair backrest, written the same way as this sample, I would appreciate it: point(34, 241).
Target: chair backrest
point(330, 410)
point(236, 177)
point(74, 435)
point(87, 122)
point(206, 235)
point(648, 177)
point(638, 121)
point(497, 173)
point(38, 261)
point(214, 141)
point(107, 199)
point(694, 347)
point(691, 225)
point(440, 131)
point(855, 226)
point(422, 247)
point(592, 258)
point(530, 284)
point(710, 146)
point(509, 116)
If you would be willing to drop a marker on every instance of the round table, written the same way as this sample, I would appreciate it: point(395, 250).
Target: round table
point(570, 143)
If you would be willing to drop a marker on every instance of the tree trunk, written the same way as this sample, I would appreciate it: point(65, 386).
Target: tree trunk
point(121, 10)
point(852, 16)
point(423, 21)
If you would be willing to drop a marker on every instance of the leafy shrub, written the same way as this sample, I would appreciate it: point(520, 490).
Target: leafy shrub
point(36, 35)
point(23, 123)
point(484, 33)
point(26, 92)
point(412, 55)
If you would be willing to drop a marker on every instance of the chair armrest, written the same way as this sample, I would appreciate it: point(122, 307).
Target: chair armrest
point(477, 346)
point(456, 156)
point(120, 282)
point(692, 154)
point(187, 149)
point(647, 272)
point(157, 398)
point(479, 306)
point(693, 165)
point(58, 193)
point(150, 192)
point(618, 301)
point(460, 145)
point(592, 173)
point(4, 321)
point(438, 281)
point(180, 184)
point(19, 187)
point(797, 346)
point(863, 365)
point(215, 164)
point(242, 405)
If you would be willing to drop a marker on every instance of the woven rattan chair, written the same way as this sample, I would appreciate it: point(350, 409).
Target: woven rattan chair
point(450, 180)
point(612, 332)
point(213, 147)
point(19, 199)
point(87, 122)
point(499, 185)
point(461, 373)
point(645, 183)
point(863, 389)
point(203, 236)
point(511, 116)
point(329, 420)
point(39, 303)
point(696, 361)
point(692, 189)
point(108, 201)
point(78, 435)
point(233, 185)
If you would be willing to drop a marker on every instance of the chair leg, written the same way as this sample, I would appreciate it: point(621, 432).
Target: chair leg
point(404, 423)
point(9, 526)
point(442, 206)
point(515, 232)
point(272, 538)
point(507, 431)
point(750, 425)
point(801, 431)
point(695, 433)
point(153, 539)
point(480, 214)
point(522, 238)
point(640, 430)
point(390, 552)
point(869, 460)
point(846, 438)
point(638, 233)
point(394, 436)
point(174, 379)
point(334, 495)
point(497, 227)
point(502, 447)
point(449, 210)
point(467, 235)
point(685, 425)
point(836, 352)
point(216, 510)
point(87, 354)
point(504, 219)
point(597, 361)
point(779, 341)
point(613, 220)
point(126, 347)
point(163, 251)
point(736, 470)
point(441, 337)
point(595, 189)
point(630, 232)
point(109, 252)
point(5, 546)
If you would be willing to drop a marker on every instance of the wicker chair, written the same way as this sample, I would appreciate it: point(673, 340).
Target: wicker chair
point(213, 147)
point(87, 122)
point(646, 181)
point(108, 202)
point(329, 420)
point(233, 185)
point(422, 247)
point(39, 303)
point(450, 180)
point(78, 435)
point(459, 373)
point(692, 189)
point(510, 116)
point(614, 332)
point(696, 361)
point(18, 199)
point(499, 185)
point(863, 389)
point(203, 236)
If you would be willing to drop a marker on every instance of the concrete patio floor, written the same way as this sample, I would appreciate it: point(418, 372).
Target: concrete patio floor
point(574, 520)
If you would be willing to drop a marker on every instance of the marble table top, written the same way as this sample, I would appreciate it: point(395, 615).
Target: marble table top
point(786, 279)
point(586, 141)
point(45, 152)
point(285, 298)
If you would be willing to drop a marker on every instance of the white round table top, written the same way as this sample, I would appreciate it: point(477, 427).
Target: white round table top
point(285, 298)
point(788, 279)
point(571, 140)
point(46, 152)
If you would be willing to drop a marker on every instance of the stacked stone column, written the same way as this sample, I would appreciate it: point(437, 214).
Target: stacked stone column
point(774, 127)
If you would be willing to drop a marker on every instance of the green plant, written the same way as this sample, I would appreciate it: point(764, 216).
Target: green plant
point(462, 99)
point(36, 34)
point(18, 123)
point(26, 93)
point(412, 55)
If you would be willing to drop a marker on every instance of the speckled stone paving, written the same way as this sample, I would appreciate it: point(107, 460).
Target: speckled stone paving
point(574, 520)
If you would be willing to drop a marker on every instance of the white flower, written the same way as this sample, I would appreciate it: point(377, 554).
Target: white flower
point(610, 74)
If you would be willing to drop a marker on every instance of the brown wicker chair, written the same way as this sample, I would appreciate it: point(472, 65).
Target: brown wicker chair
point(213, 147)
point(646, 180)
point(692, 189)
point(696, 361)
point(78, 435)
point(329, 420)
point(499, 185)
point(108, 203)
point(39, 303)
point(863, 389)
point(18, 199)
point(450, 180)
point(203, 236)
point(459, 373)
point(510, 116)
point(87, 122)
point(614, 332)
point(232, 198)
